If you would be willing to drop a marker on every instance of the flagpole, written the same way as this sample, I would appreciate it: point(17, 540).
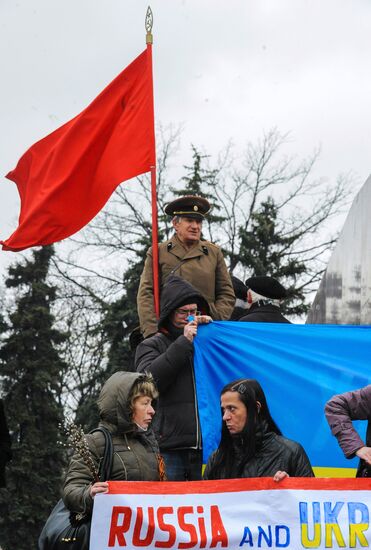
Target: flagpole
point(156, 292)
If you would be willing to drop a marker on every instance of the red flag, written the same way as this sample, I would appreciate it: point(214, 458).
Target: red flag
point(66, 178)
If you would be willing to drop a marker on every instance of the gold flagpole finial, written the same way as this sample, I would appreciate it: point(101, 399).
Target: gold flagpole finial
point(149, 25)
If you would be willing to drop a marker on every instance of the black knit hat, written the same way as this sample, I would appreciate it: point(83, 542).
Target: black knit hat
point(267, 287)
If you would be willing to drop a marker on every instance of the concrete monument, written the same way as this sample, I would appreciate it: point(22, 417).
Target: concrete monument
point(344, 295)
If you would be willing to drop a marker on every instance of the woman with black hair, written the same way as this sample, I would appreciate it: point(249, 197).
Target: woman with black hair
point(251, 444)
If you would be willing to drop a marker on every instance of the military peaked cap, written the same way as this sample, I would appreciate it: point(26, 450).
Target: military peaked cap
point(267, 287)
point(190, 206)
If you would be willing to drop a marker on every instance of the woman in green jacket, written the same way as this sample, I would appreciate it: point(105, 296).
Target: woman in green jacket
point(126, 410)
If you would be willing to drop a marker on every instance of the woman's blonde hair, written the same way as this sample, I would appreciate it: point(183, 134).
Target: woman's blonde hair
point(143, 386)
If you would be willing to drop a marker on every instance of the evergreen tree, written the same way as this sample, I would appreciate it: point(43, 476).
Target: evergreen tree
point(119, 325)
point(101, 325)
point(267, 250)
point(201, 181)
point(30, 369)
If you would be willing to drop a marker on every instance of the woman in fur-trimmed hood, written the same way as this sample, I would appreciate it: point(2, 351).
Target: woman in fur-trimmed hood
point(126, 409)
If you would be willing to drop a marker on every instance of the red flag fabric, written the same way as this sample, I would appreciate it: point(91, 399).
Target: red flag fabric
point(66, 178)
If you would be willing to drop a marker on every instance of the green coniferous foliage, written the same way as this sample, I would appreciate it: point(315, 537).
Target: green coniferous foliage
point(30, 369)
point(264, 251)
point(3, 326)
point(122, 318)
point(119, 320)
point(122, 315)
point(201, 181)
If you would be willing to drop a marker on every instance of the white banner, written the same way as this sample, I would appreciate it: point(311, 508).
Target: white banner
point(243, 513)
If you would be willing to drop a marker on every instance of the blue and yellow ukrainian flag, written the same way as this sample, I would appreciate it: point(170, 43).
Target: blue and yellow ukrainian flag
point(299, 367)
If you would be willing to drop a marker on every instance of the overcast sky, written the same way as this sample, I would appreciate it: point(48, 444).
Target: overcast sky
point(225, 69)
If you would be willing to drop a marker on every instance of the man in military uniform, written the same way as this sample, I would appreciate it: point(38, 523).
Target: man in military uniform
point(199, 262)
point(264, 296)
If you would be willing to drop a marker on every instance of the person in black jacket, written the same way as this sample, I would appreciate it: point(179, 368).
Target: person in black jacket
point(241, 305)
point(251, 444)
point(5, 444)
point(264, 296)
point(168, 356)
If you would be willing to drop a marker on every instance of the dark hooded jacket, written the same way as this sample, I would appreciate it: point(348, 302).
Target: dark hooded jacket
point(168, 356)
point(260, 312)
point(135, 453)
point(274, 452)
point(5, 444)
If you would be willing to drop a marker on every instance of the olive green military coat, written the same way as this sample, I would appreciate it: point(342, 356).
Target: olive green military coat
point(203, 266)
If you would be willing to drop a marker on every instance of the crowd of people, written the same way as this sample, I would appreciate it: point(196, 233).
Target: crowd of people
point(196, 288)
point(152, 414)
